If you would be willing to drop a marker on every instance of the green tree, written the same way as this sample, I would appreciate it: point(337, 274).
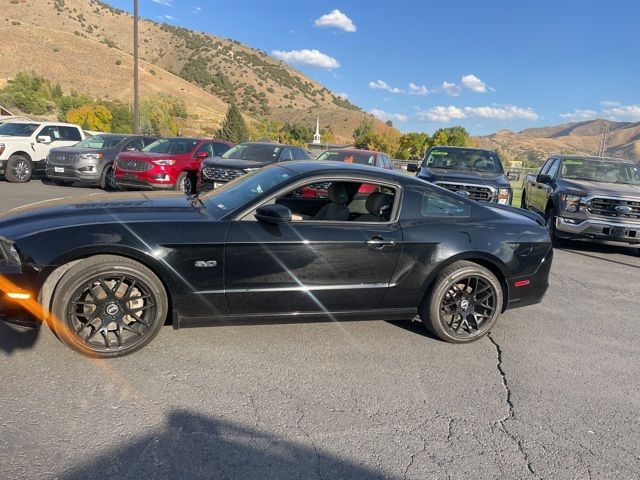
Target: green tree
point(454, 136)
point(195, 71)
point(233, 127)
point(121, 117)
point(412, 145)
point(364, 129)
point(28, 92)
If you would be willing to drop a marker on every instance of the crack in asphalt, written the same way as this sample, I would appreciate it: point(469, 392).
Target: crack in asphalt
point(509, 401)
point(313, 443)
point(424, 449)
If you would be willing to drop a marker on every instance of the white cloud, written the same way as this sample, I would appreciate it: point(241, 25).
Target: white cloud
point(447, 113)
point(450, 89)
point(417, 89)
point(384, 116)
point(166, 3)
point(579, 115)
point(312, 58)
point(380, 85)
point(474, 84)
point(196, 10)
point(624, 113)
point(441, 114)
point(343, 96)
point(506, 112)
point(169, 17)
point(610, 103)
point(335, 19)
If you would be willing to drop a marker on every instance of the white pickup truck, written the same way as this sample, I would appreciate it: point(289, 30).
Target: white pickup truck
point(24, 146)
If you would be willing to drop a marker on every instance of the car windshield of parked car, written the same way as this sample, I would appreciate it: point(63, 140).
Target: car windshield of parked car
point(101, 141)
point(349, 157)
point(461, 159)
point(176, 146)
point(595, 170)
point(253, 152)
point(18, 129)
point(238, 192)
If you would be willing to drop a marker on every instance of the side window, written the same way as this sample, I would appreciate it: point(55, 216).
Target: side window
point(50, 131)
point(286, 155)
point(386, 163)
point(135, 144)
point(299, 154)
point(546, 166)
point(220, 148)
point(149, 140)
point(207, 148)
point(436, 205)
point(553, 170)
point(69, 134)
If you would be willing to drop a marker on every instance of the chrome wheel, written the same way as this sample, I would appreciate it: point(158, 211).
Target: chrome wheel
point(468, 306)
point(110, 179)
point(21, 170)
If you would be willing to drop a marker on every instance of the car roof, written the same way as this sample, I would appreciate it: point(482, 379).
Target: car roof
point(43, 122)
point(593, 157)
point(270, 144)
point(327, 166)
point(470, 149)
point(354, 150)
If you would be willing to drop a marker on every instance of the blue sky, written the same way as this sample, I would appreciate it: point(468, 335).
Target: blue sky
point(487, 65)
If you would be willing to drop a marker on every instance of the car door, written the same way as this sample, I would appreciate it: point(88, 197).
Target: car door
point(541, 190)
point(41, 149)
point(310, 266)
point(535, 192)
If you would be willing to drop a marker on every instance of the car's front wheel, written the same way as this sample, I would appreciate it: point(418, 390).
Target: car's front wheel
point(108, 306)
point(108, 179)
point(463, 303)
point(19, 169)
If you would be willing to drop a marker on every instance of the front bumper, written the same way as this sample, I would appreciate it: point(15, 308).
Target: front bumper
point(72, 174)
point(598, 230)
point(18, 311)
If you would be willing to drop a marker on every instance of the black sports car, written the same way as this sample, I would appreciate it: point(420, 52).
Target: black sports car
point(108, 270)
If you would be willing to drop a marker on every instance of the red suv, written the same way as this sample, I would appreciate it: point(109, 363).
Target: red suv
point(169, 163)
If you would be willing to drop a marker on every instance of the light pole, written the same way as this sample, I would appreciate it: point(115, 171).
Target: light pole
point(136, 99)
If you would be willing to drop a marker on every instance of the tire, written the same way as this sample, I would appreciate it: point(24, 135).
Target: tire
point(19, 169)
point(463, 303)
point(551, 226)
point(185, 183)
point(62, 183)
point(523, 201)
point(108, 179)
point(108, 306)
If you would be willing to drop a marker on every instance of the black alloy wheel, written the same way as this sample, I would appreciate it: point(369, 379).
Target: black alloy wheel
point(108, 306)
point(551, 226)
point(464, 302)
point(108, 180)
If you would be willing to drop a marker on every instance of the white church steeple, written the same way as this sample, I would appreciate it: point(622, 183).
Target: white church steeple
point(316, 136)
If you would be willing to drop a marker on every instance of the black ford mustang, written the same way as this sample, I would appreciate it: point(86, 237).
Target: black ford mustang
point(105, 271)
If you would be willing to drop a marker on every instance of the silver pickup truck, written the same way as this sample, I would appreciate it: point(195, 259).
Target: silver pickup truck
point(587, 198)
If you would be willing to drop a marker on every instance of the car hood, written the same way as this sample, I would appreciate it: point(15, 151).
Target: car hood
point(98, 208)
point(463, 176)
point(588, 188)
point(233, 163)
point(80, 150)
point(8, 138)
point(149, 156)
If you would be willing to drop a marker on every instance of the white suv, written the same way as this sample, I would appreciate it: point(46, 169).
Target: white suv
point(24, 146)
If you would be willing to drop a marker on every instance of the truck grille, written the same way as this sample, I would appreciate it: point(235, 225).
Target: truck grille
point(65, 159)
point(614, 208)
point(222, 174)
point(475, 192)
point(134, 165)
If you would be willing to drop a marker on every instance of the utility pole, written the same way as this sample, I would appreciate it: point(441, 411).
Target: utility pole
point(603, 140)
point(136, 98)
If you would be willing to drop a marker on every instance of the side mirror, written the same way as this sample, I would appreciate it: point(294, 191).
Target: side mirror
point(43, 139)
point(202, 155)
point(542, 178)
point(513, 176)
point(413, 167)
point(273, 214)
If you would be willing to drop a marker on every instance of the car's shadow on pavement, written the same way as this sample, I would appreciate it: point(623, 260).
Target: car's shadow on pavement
point(413, 326)
point(601, 252)
point(14, 338)
point(195, 446)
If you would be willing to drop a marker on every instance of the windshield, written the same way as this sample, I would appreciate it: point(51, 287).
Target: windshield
point(595, 170)
point(176, 146)
point(254, 152)
point(101, 141)
point(462, 159)
point(18, 129)
point(242, 190)
point(361, 158)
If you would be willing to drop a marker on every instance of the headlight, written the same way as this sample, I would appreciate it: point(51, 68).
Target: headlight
point(1, 148)
point(92, 156)
point(571, 202)
point(163, 163)
point(504, 196)
point(247, 170)
point(9, 256)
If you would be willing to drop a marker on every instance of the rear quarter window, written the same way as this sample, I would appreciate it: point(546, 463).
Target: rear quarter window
point(435, 205)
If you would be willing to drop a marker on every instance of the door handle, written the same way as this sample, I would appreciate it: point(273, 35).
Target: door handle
point(379, 242)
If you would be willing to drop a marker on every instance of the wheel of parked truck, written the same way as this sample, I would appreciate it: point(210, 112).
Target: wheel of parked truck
point(185, 183)
point(108, 179)
point(108, 306)
point(19, 169)
point(463, 303)
point(63, 183)
point(523, 201)
point(551, 226)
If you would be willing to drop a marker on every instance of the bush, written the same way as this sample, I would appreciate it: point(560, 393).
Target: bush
point(91, 117)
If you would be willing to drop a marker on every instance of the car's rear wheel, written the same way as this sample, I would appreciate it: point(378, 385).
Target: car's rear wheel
point(108, 179)
point(19, 169)
point(523, 201)
point(108, 306)
point(463, 303)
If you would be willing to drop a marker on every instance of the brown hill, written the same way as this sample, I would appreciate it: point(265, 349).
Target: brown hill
point(623, 140)
point(87, 45)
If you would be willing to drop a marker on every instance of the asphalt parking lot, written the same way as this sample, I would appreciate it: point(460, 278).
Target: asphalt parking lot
point(554, 392)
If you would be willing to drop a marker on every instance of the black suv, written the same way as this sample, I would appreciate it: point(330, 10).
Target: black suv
point(91, 160)
point(474, 173)
point(242, 159)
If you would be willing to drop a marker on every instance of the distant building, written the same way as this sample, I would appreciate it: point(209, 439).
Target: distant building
point(316, 136)
point(4, 112)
